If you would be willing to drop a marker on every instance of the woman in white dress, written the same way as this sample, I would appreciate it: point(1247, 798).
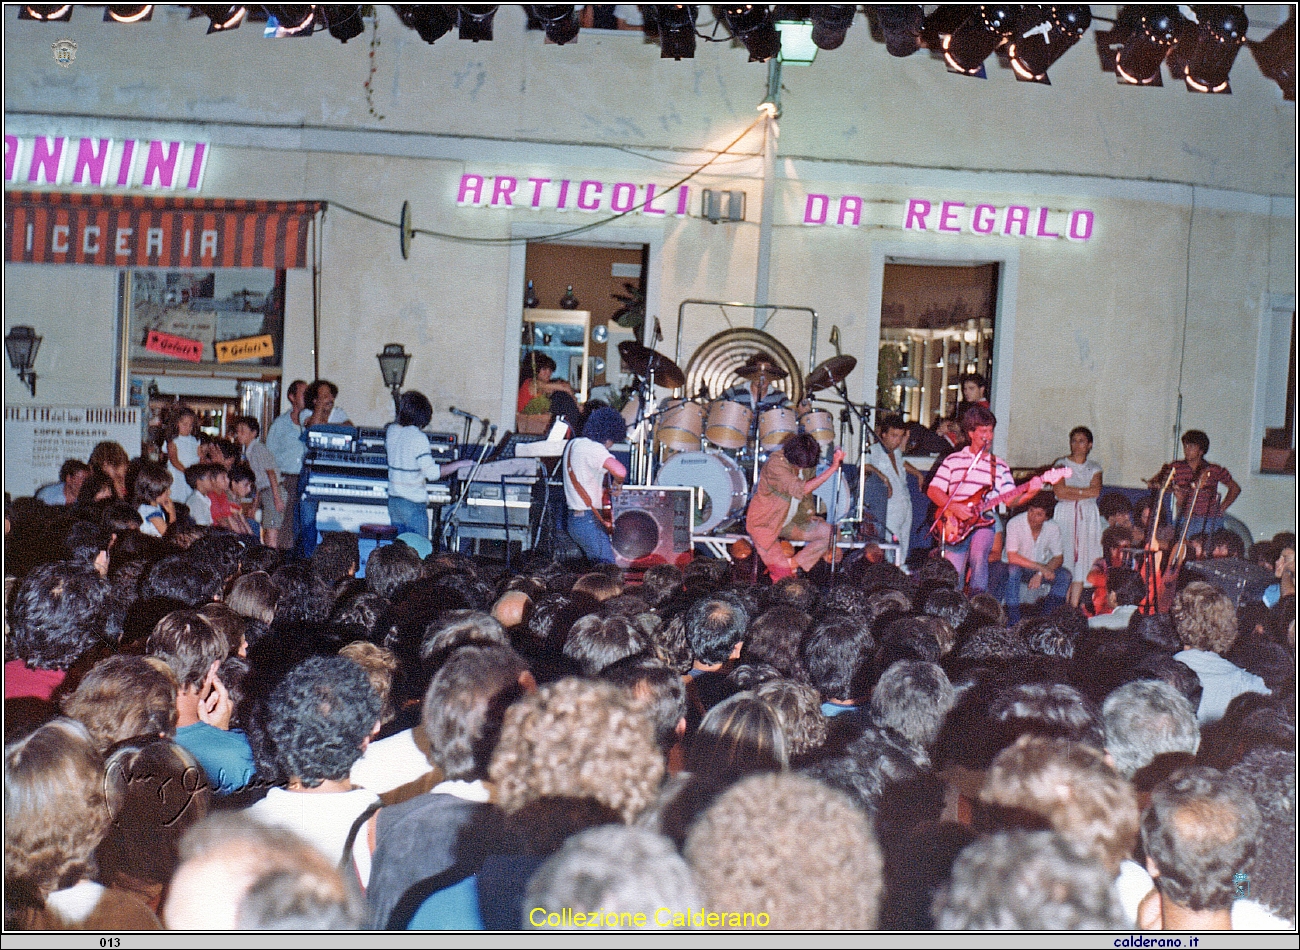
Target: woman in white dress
point(1076, 510)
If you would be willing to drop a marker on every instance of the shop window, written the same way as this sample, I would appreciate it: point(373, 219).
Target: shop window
point(936, 324)
point(1277, 395)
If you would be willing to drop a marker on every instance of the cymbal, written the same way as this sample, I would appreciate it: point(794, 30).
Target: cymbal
point(640, 360)
point(760, 367)
point(830, 372)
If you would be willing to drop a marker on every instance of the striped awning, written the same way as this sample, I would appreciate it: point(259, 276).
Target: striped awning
point(119, 230)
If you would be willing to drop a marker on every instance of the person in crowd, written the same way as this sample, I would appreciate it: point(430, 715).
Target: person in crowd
point(885, 461)
point(1035, 554)
point(1206, 623)
point(774, 511)
point(124, 696)
point(537, 384)
point(320, 409)
point(270, 496)
point(1145, 719)
point(1076, 510)
point(284, 439)
point(72, 475)
point(151, 493)
point(585, 462)
point(182, 448)
point(1125, 590)
point(974, 392)
point(111, 461)
point(60, 612)
point(1195, 487)
point(411, 466)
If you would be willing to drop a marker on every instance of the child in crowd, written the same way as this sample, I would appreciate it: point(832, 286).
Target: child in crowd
point(242, 493)
point(182, 449)
point(259, 458)
point(152, 495)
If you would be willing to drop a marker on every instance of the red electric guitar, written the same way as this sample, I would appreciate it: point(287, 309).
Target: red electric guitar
point(951, 528)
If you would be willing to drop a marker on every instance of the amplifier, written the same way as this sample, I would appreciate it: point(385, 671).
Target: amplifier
point(371, 442)
point(445, 446)
point(1243, 581)
point(652, 525)
point(494, 504)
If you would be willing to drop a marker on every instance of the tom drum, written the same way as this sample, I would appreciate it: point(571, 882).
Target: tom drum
point(680, 425)
point(774, 425)
point(729, 424)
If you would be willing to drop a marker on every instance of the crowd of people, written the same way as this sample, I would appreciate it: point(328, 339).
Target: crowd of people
point(204, 731)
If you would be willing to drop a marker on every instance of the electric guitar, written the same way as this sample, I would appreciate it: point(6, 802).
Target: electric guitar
point(950, 528)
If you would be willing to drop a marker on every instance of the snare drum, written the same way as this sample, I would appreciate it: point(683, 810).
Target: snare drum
point(680, 425)
point(729, 424)
point(774, 425)
point(819, 424)
point(723, 488)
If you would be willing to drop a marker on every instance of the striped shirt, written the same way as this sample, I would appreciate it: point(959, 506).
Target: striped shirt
point(958, 478)
point(410, 463)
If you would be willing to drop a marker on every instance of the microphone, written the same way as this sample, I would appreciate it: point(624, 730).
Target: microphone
point(462, 413)
point(659, 332)
point(485, 428)
point(492, 434)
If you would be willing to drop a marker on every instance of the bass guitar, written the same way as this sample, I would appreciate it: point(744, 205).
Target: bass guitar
point(951, 528)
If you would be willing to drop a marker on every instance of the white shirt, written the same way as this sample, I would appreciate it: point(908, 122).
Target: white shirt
point(1040, 550)
point(200, 508)
point(284, 439)
point(322, 819)
point(410, 463)
point(586, 459)
point(390, 763)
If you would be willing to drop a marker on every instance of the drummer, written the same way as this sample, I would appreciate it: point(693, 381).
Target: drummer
point(758, 391)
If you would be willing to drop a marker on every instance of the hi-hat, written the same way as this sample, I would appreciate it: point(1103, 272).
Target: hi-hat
point(830, 373)
point(639, 360)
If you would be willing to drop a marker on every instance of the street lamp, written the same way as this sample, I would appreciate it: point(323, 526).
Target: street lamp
point(21, 343)
point(392, 365)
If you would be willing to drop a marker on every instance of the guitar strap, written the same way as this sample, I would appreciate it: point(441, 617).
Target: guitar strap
point(582, 492)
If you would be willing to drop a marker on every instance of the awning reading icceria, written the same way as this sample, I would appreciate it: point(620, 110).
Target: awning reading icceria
point(123, 230)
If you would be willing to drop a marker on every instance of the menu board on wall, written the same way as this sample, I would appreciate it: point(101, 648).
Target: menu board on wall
point(39, 439)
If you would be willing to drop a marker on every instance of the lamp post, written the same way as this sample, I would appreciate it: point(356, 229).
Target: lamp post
point(392, 365)
point(21, 344)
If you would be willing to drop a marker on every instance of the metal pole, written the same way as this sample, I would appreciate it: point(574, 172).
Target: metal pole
point(771, 106)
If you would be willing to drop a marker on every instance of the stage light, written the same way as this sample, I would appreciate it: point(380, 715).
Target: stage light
point(46, 12)
point(797, 46)
point(676, 30)
point(1206, 52)
point(223, 18)
point(1148, 40)
point(343, 22)
point(560, 21)
point(128, 13)
point(830, 24)
point(1042, 35)
point(293, 20)
point(1275, 56)
point(966, 48)
point(901, 26)
point(432, 21)
point(752, 24)
point(476, 21)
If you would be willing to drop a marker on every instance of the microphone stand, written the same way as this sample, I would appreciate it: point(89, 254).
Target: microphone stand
point(451, 515)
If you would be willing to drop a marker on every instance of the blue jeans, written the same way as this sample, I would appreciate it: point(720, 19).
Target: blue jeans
point(590, 536)
point(1199, 525)
point(1055, 596)
point(407, 515)
point(975, 551)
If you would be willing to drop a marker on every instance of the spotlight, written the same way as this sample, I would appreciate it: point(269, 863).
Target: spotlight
point(1149, 38)
point(752, 25)
point(124, 13)
point(46, 12)
point(343, 22)
point(1205, 54)
point(971, 43)
point(431, 21)
point(676, 31)
point(1275, 56)
point(476, 21)
point(901, 26)
point(223, 18)
point(294, 20)
point(1042, 36)
point(830, 24)
point(560, 21)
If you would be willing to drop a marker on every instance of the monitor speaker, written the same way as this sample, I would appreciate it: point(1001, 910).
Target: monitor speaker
point(652, 525)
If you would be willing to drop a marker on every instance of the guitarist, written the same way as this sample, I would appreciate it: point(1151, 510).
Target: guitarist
point(585, 463)
point(962, 479)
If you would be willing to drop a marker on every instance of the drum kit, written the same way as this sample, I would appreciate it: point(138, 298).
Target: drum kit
point(717, 446)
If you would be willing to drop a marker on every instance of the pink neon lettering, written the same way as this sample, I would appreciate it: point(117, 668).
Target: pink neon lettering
point(124, 166)
point(628, 190)
point(683, 200)
point(1041, 231)
point(1017, 216)
point(47, 159)
point(503, 188)
point(850, 204)
point(198, 162)
point(471, 190)
point(948, 216)
point(648, 207)
point(583, 190)
point(916, 212)
point(91, 164)
point(983, 219)
point(563, 200)
point(537, 191)
point(160, 166)
point(822, 205)
point(1080, 228)
point(11, 156)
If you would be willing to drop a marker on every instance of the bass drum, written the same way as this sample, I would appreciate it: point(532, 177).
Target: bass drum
point(723, 489)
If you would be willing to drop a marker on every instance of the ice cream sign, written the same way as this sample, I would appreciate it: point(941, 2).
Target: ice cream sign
point(154, 164)
point(939, 216)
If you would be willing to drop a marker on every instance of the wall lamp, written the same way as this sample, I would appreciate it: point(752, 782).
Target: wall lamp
point(392, 366)
point(21, 343)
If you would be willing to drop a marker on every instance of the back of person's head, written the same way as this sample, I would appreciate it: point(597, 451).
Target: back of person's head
point(254, 596)
point(1027, 880)
point(1070, 787)
point(124, 696)
point(1200, 830)
point(613, 871)
point(605, 425)
point(1205, 618)
point(581, 739)
point(658, 689)
point(465, 705)
point(1127, 585)
point(948, 605)
point(1050, 710)
point(796, 854)
point(774, 637)
point(793, 591)
point(61, 610)
point(714, 625)
point(455, 629)
point(801, 451)
point(913, 698)
point(1144, 719)
point(739, 736)
point(390, 566)
point(413, 409)
point(85, 541)
point(798, 712)
point(335, 557)
point(186, 642)
point(181, 578)
point(595, 642)
point(381, 667)
point(836, 654)
point(318, 718)
point(599, 585)
point(661, 582)
point(1269, 774)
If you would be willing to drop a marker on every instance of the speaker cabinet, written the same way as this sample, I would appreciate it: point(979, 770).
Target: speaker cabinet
point(1243, 581)
point(652, 525)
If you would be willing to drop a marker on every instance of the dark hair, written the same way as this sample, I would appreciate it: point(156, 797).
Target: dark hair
point(108, 453)
point(739, 736)
point(1044, 501)
point(973, 378)
point(836, 654)
point(1229, 539)
point(891, 420)
point(390, 566)
point(1126, 584)
point(533, 363)
point(151, 480)
point(912, 698)
point(595, 642)
point(801, 451)
point(1197, 437)
point(318, 717)
point(714, 626)
point(242, 472)
point(413, 409)
point(1085, 430)
point(196, 473)
point(313, 392)
point(72, 467)
point(975, 417)
point(1050, 710)
point(61, 610)
point(605, 425)
point(1114, 503)
point(337, 553)
point(248, 422)
point(188, 644)
point(181, 578)
point(657, 688)
point(95, 482)
point(465, 705)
